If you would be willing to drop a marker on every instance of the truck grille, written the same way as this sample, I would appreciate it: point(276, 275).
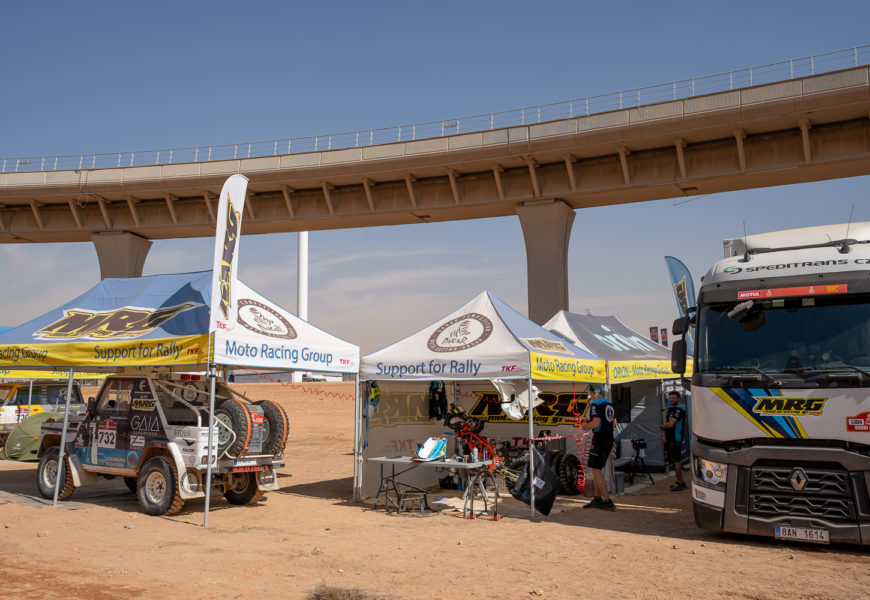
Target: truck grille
point(822, 493)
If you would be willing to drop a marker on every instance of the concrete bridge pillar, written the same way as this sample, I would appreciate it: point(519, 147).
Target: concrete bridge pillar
point(547, 231)
point(121, 254)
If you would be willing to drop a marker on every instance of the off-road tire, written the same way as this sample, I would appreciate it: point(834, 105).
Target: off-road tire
point(45, 480)
point(130, 482)
point(239, 418)
point(245, 491)
point(568, 470)
point(279, 426)
point(157, 488)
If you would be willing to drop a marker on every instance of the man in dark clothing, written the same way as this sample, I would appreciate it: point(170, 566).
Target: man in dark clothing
point(602, 421)
point(672, 436)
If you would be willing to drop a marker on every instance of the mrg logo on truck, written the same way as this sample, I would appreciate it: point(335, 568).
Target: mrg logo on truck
point(792, 407)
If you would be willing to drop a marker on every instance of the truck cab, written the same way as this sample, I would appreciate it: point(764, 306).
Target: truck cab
point(781, 387)
point(20, 399)
point(152, 429)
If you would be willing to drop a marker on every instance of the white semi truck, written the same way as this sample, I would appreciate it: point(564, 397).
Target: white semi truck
point(781, 386)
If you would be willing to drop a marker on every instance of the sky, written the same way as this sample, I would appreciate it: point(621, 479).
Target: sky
point(93, 77)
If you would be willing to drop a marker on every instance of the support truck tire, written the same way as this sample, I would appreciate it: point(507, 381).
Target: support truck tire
point(157, 488)
point(47, 473)
point(568, 471)
point(279, 426)
point(243, 489)
point(237, 417)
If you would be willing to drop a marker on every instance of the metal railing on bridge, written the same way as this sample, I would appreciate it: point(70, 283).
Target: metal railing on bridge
point(675, 90)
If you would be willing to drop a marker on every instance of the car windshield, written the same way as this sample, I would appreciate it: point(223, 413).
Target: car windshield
point(796, 334)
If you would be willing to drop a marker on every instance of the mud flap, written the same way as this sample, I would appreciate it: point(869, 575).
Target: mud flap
point(267, 480)
point(80, 477)
point(186, 491)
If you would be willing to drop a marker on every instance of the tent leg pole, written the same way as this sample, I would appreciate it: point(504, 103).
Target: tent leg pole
point(29, 397)
point(60, 454)
point(531, 446)
point(211, 376)
point(356, 444)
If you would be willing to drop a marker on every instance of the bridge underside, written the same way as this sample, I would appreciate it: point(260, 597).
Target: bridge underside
point(795, 131)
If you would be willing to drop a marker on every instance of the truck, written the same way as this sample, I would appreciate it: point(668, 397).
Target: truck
point(152, 429)
point(781, 386)
point(20, 399)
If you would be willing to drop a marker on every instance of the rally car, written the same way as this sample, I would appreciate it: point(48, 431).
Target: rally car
point(152, 429)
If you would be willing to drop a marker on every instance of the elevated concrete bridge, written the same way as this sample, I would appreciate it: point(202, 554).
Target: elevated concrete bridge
point(799, 130)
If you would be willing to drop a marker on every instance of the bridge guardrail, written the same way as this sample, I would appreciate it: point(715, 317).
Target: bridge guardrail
point(675, 90)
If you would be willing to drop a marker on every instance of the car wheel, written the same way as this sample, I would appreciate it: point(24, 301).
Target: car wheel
point(568, 472)
point(235, 416)
point(242, 489)
point(278, 426)
point(157, 488)
point(46, 476)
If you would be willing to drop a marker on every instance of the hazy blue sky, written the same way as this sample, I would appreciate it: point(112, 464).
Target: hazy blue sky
point(113, 76)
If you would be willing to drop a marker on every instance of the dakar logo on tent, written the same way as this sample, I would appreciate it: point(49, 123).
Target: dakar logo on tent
point(460, 333)
point(126, 322)
point(260, 318)
point(547, 345)
point(231, 235)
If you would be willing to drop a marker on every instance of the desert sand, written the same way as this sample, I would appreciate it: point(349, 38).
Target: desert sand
point(97, 545)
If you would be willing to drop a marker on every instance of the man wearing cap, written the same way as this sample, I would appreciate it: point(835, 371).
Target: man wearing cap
point(672, 437)
point(602, 421)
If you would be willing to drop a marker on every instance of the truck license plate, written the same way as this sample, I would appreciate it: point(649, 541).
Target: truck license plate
point(802, 534)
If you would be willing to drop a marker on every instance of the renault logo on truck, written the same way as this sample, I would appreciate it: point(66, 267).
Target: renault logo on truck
point(798, 479)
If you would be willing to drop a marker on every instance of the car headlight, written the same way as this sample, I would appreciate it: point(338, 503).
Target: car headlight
point(711, 472)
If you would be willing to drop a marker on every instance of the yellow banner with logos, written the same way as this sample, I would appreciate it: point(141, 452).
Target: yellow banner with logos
point(621, 371)
point(182, 350)
point(16, 374)
point(565, 368)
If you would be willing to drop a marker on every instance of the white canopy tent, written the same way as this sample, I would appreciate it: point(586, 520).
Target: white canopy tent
point(483, 339)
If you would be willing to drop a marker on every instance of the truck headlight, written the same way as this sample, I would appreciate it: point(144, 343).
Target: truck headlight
point(710, 472)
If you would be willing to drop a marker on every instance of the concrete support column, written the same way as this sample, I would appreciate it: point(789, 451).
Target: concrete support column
point(547, 231)
point(121, 254)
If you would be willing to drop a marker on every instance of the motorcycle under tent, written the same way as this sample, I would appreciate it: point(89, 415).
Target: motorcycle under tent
point(483, 339)
point(181, 322)
point(638, 376)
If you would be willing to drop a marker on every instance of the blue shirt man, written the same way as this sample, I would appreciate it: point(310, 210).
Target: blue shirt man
point(672, 437)
point(602, 421)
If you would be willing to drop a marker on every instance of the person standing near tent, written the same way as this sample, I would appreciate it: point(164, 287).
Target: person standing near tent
point(672, 436)
point(602, 421)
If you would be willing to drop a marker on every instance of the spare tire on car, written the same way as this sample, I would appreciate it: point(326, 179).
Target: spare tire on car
point(277, 426)
point(235, 416)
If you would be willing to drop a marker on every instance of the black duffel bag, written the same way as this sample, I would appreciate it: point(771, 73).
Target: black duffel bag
point(547, 484)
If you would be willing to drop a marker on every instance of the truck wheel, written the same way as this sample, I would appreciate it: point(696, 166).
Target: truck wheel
point(46, 476)
point(568, 470)
point(242, 489)
point(130, 482)
point(278, 426)
point(157, 488)
point(237, 417)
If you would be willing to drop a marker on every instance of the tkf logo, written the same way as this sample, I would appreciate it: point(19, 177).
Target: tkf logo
point(259, 318)
point(860, 422)
point(557, 409)
point(460, 333)
point(231, 235)
point(127, 322)
point(547, 345)
point(794, 407)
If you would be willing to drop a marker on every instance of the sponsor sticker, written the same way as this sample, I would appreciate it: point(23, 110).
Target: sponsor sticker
point(547, 345)
point(811, 290)
point(144, 405)
point(860, 422)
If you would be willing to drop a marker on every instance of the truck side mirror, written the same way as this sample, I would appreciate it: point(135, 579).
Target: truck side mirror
point(678, 356)
point(680, 326)
point(92, 406)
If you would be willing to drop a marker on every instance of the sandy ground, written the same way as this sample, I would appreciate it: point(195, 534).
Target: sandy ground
point(98, 545)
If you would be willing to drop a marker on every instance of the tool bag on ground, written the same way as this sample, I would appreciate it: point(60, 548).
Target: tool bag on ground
point(547, 484)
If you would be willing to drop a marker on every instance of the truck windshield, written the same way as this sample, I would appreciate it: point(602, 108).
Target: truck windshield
point(801, 334)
